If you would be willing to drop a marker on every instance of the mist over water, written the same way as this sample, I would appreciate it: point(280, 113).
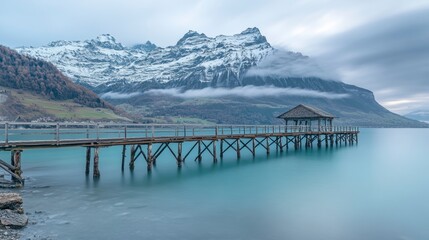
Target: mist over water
point(377, 189)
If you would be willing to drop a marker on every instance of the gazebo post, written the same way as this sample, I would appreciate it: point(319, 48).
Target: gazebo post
point(286, 124)
point(318, 124)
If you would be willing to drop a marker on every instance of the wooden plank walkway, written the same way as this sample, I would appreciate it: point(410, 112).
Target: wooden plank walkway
point(150, 140)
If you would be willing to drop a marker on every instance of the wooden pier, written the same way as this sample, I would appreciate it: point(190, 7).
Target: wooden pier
point(149, 141)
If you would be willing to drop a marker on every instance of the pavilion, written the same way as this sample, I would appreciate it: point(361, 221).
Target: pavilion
point(304, 115)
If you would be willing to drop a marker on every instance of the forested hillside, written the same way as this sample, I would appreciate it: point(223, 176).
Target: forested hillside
point(35, 90)
point(41, 77)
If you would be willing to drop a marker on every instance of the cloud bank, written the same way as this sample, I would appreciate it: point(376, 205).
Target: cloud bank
point(289, 64)
point(246, 91)
point(117, 95)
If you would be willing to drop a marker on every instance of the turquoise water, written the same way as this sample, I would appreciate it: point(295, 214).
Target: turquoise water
point(378, 189)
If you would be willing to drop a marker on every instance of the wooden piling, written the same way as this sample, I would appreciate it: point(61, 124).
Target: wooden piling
point(199, 151)
point(17, 164)
point(253, 147)
point(221, 148)
point(149, 157)
point(307, 142)
point(287, 143)
point(179, 154)
point(96, 171)
point(88, 160)
point(267, 142)
point(296, 138)
point(277, 144)
point(132, 156)
point(214, 151)
point(124, 149)
point(238, 148)
point(319, 142)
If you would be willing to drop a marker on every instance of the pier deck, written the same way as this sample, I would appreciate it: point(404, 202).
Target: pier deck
point(150, 140)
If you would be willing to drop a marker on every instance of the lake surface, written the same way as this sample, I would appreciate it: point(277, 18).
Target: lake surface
point(378, 189)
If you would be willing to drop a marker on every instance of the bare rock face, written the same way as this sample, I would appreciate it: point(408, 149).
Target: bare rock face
point(9, 218)
point(11, 211)
point(12, 201)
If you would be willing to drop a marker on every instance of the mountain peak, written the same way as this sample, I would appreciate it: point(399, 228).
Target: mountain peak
point(253, 30)
point(106, 41)
point(106, 38)
point(148, 46)
point(253, 36)
point(191, 35)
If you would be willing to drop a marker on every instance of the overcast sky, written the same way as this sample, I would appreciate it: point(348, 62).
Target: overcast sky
point(382, 45)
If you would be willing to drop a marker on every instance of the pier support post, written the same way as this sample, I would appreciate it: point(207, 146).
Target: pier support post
point(238, 148)
point(319, 141)
point(124, 149)
point(132, 156)
point(287, 143)
point(281, 145)
point(96, 171)
point(16, 162)
point(331, 138)
point(199, 151)
point(221, 148)
point(179, 154)
point(306, 141)
point(326, 140)
point(267, 142)
point(214, 151)
point(88, 160)
point(253, 147)
point(277, 144)
point(295, 142)
point(149, 157)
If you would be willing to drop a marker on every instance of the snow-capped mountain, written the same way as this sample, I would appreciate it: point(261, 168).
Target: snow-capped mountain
point(219, 60)
point(128, 75)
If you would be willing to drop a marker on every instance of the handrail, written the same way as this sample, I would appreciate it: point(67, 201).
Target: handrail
point(14, 131)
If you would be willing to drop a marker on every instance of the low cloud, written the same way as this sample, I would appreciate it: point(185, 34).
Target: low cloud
point(246, 91)
point(289, 64)
point(117, 95)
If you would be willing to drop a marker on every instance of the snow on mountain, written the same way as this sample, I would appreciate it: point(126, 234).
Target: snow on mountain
point(195, 57)
point(223, 66)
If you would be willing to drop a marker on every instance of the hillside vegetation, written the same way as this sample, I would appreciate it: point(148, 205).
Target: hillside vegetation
point(33, 89)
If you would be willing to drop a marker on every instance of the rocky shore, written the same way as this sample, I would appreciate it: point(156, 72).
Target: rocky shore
point(12, 216)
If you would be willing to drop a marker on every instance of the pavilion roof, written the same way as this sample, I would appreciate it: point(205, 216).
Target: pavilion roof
point(305, 112)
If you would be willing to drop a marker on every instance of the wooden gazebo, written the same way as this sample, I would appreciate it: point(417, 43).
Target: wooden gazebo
point(304, 115)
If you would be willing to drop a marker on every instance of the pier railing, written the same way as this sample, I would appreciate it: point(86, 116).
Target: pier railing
point(13, 131)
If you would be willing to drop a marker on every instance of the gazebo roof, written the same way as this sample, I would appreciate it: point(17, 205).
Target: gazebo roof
point(305, 112)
